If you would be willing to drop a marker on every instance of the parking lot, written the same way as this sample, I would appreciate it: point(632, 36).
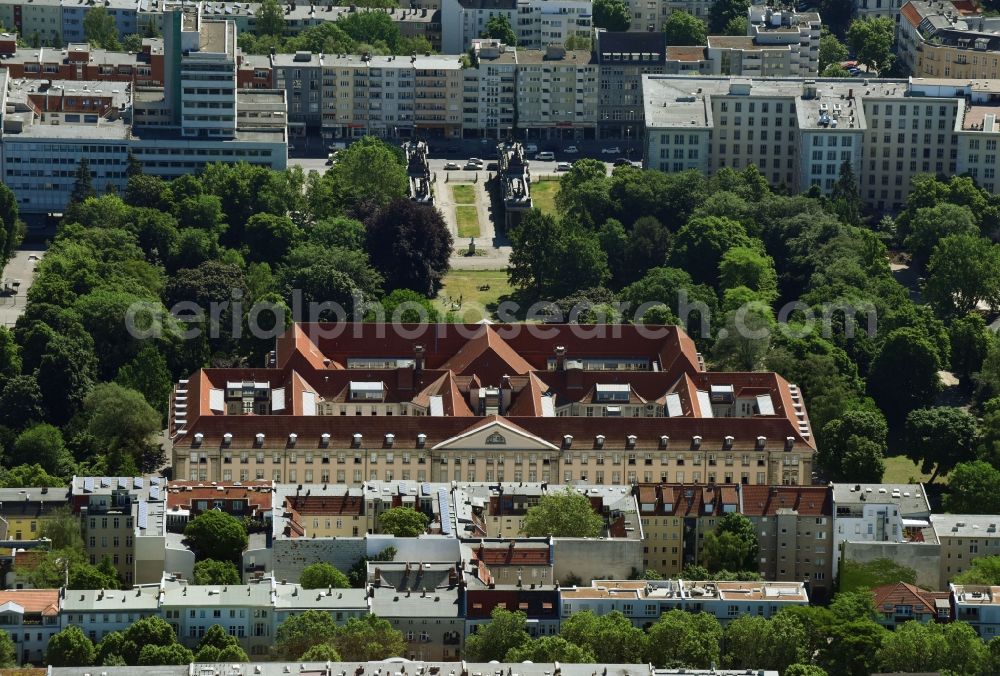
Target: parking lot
point(17, 278)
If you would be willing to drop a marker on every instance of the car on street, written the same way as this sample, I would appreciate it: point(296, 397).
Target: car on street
point(854, 71)
point(545, 156)
point(621, 162)
point(451, 166)
point(531, 148)
point(572, 150)
point(612, 150)
point(473, 166)
point(564, 166)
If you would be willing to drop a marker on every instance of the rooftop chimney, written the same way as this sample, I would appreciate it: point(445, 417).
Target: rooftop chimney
point(560, 358)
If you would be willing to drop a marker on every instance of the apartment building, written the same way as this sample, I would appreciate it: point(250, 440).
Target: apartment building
point(489, 90)
point(904, 602)
point(675, 519)
point(536, 23)
point(557, 94)
point(799, 132)
point(540, 606)
point(408, 408)
point(944, 39)
point(643, 601)
point(512, 561)
point(300, 75)
point(623, 59)
point(31, 618)
point(795, 526)
point(26, 510)
point(326, 511)
point(250, 501)
point(39, 21)
point(979, 605)
point(963, 538)
point(426, 603)
point(877, 513)
point(98, 612)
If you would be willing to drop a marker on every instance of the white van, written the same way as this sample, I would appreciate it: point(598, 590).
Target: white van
point(545, 156)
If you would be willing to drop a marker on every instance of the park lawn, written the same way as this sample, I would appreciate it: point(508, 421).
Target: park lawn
point(900, 470)
point(468, 221)
point(543, 196)
point(465, 285)
point(464, 193)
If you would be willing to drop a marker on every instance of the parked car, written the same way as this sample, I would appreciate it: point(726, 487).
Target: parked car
point(473, 166)
point(476, 160)
point(451, 166)
point(572, 150)
point(854, 71)
point(621, 162)
point(564, 166)
point(612, 150)
point(531, 148)
point(545, 156)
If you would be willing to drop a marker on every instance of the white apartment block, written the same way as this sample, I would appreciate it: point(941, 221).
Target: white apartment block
point(643, 601)
point(799, 131)
point(557, 93)
point(877, 513)
point(489, 96)
point(536, 23)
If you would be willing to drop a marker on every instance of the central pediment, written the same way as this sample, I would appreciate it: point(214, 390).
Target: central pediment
point(495, 433)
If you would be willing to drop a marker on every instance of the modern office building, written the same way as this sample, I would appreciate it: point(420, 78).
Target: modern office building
point(623, 59)
point(536, 23)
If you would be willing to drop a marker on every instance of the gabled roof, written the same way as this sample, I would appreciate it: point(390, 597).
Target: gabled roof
point(496, 424)
point(767, 500)
point(44, 601)
point(487, 353)
point(887, 597)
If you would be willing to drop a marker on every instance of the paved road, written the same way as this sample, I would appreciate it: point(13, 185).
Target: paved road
point(22, 267)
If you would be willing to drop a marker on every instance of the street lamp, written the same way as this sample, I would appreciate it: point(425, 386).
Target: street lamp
point(628, 142)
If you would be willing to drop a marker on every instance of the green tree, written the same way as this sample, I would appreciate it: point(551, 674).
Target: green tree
point(498, 28)
point(855, 575)
point(550, 649)
point(565, 513)
point(701, 243)
point(846, 197)
point(940, 438)
point(270, 237)
point(724, 11)
point(323, 576)
point(324, 652)
point(21, 402)
point(12, 227)
point(368, 175)
point(845, 440)
point(769, 644)
point(682, 28)
point(155, 655)
point(218, 646)
point(904, 373)
point(732, 546)
point(70, 648)
point(85, 576)
point(964, 270)
point(209, 571)
point(871, 39)
point(367, 639)
point(300, 632)
point(29, 476)
point(121, 420)
point(405, 306)
point(8, 652)
point(506, 632)
point(611, 638)
point(680, 638)
point(915, 646)
point(43, 445)
point(831, 50)
point(358, 575)
point(149, 375)
point(83, 182)
point(973, 488)
point(100, 29)
point(217, 535)
point(749, 267)
point(929, 225)
point(970, 342)
point(745, 338)
point(985, 570)
point(612, 15)
point(804, 670)
point(410, 245)
point(852, 649)
point(402, 522)
point(270, 19)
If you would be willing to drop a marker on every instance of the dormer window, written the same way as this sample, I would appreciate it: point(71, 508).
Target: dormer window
point(227, 438)
point(324, 439)
point(612, 392)
point(259, 438)
point(599, 441)
point(630, 441)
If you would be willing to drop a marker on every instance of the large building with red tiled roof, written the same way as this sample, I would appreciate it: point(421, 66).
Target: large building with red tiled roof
point(31, 617)
point(903, 602)
point(794, 527)
point(344, 404)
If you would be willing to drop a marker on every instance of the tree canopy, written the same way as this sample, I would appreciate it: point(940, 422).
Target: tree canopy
point(402, 522)
point(566, 513)
point(217, 535)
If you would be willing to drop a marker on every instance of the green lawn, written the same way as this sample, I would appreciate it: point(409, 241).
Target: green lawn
point(468, 221)
point(543, 196)
point(900, 470)
point(464, 193)
point(476, 303)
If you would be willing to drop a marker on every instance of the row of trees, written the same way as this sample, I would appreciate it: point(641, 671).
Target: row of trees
point(842, 640)
point(80, 394)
